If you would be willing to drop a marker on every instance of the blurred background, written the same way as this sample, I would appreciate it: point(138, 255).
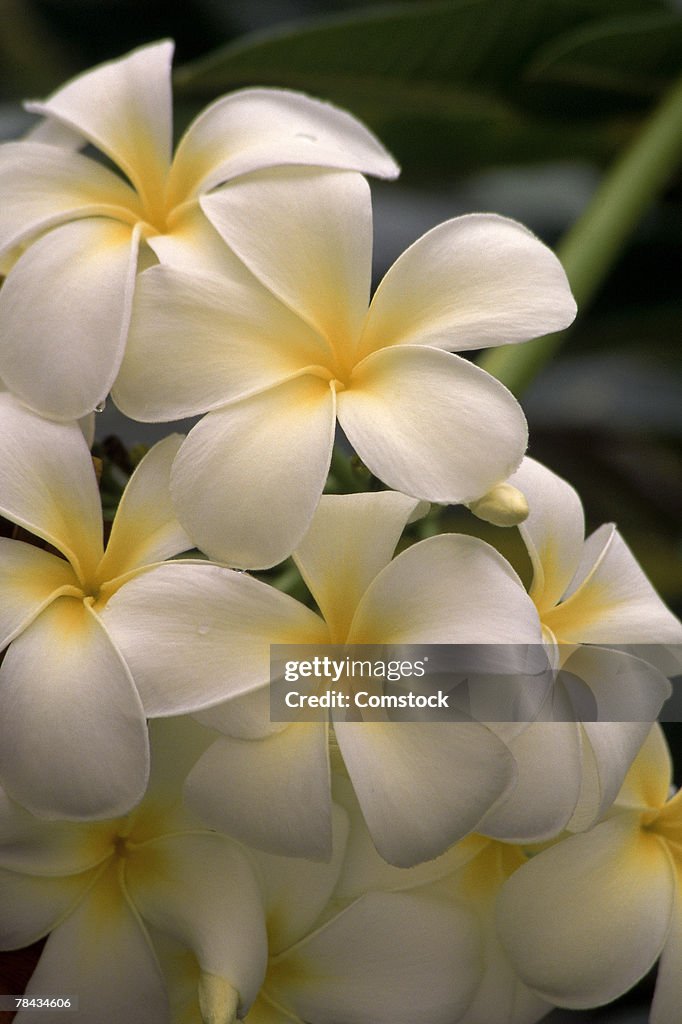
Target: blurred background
point(512, 106)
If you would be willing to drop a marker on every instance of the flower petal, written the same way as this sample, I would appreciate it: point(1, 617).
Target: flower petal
point(307, 236)
point(281, 803)
point(668, 992)
point(29, 579)
point(195, 634)
point(43, 185)
point(82, 713)
point(548, 761)
point(614, 603)
point(423, 785)
point(248, 478)
point(389, 958)
point(202, 890)
point(350, 539)
point(257, 128)
point(32, 907)
point(447, 589)
point(553, 532)
point(431, 424)
point(65, 308)
point(648, 781)
point(48, 485)
point(145, 529)
point(124, 107)
point(586, 919)
point(471, 282)
point(243, 340)
point(102, 954)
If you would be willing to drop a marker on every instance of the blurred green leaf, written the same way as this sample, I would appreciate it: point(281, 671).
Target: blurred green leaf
point(454, 83)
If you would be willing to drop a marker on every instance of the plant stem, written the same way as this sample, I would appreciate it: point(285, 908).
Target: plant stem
point(594, 242)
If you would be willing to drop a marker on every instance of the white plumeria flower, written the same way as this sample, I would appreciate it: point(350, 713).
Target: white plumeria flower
point(73, 736)
point(72, 230)
point(470, 875)
point(100, 888)
point(390, 958)
point(587, 592)
point(586, 919)
point(276, 357)
point(421, 785)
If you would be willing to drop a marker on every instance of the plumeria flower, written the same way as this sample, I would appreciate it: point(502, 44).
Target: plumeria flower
point(72, 231)
point(73, 736)
point(386, 957)
point(421, 785)
point(100, 889)
point(469, 875)
point(276, 357)
point(586, 919)
point(590, 595)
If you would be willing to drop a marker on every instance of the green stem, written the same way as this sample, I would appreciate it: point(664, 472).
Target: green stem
point(599, 235)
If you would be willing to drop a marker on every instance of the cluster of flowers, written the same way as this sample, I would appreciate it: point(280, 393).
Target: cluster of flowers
point(190, 859)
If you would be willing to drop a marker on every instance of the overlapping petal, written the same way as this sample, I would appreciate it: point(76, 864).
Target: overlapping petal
point(423, 785)
point(472, 282)
point(82, 715)
point(102, 954)
point(248, 478)
point(432, 424)
point(48, 485)
point(44, 185)
point(194, 634)
point(200, 889)
point(145, 528)
point(32, 906)
point(29, 579)
point(647, 783)
point(243, 340)
point(553, 532)
point(67, 301)
point(124, 107)
point(387, 958)
point(257, 128)
point(349, 541)
point(307, 236)
point(567, 918)
point(281, 803)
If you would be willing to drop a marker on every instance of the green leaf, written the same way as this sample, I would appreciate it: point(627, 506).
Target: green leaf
point(454, 83)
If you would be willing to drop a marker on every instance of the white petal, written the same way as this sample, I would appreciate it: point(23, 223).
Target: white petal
point(447, 589)
point(472, 282)
point(388, 958)
point(614, 603)
point(307, 236)
point(432, 424)
point(29, 579)
point(43, 186)
point(297, 891)
point(350, 539)
point(33, 906)
point(548, 761)
point(668, 992)
point(423, 785)
point(243, 340)
point(202, 890)
point(145, 529)
point(65, 308)
point(583, 921)
point(195, 634)
point(124, 107)
point(248, 478)
point(82, 713)
point(101, 954)
point(553, 532)
point(647, 784)
point(48, 485)
point(257, 128)
point(271, 793)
